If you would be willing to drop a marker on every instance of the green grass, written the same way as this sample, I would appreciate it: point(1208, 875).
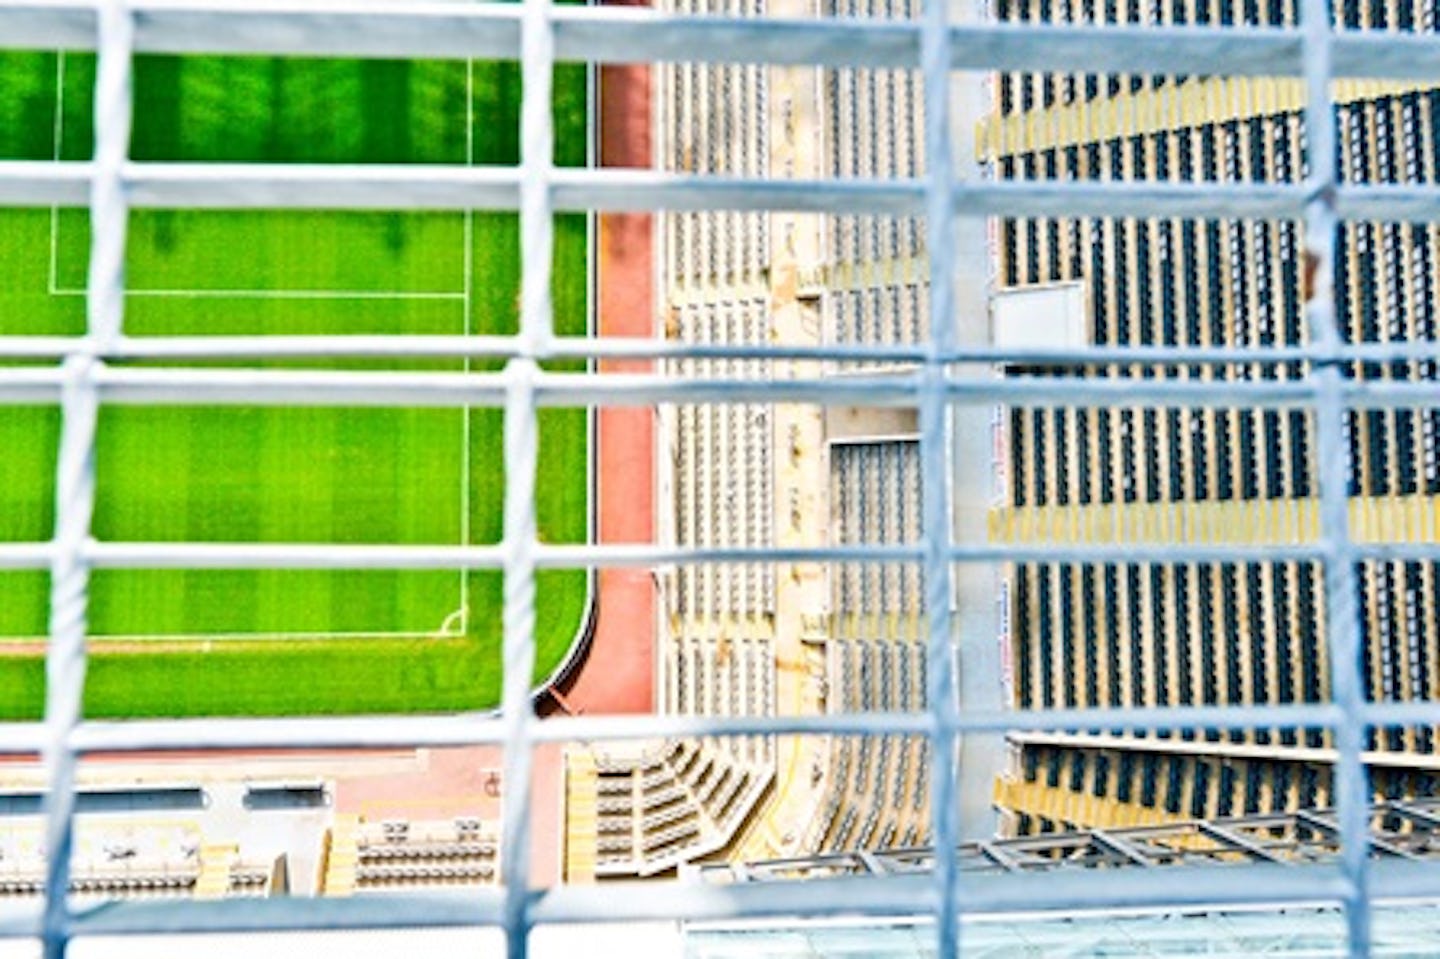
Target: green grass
point(241, 474)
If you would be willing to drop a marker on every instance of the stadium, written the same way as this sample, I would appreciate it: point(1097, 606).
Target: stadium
point(840, 478)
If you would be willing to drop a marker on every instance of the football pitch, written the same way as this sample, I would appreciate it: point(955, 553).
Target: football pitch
point(201, 642)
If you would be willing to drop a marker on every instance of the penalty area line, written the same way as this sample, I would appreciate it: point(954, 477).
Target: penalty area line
point(163, 638)
point(452, 295)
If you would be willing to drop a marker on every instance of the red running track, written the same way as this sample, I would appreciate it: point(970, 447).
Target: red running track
point(617, 674)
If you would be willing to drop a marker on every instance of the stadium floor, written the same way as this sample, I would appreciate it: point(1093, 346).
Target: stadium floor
point(246, 642)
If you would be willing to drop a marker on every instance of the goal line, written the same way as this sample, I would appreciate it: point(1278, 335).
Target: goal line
point(11, 645)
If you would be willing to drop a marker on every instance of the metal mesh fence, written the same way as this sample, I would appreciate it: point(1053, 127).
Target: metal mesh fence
point(81, 374)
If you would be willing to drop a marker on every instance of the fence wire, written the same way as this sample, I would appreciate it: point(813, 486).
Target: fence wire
point(539, 35)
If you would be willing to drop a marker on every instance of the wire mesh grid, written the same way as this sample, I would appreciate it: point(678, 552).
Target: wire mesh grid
point(81, 377)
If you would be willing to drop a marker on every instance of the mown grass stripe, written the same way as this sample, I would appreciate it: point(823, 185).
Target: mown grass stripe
point(268, 475)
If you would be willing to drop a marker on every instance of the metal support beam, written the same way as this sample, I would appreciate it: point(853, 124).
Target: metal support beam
point(1120, 847)
point(1229, 837)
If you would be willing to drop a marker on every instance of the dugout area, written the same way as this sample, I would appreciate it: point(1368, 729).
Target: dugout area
point(191, 642)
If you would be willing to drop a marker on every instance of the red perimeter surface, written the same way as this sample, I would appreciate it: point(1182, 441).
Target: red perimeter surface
point(617, 675)
point(466, 781)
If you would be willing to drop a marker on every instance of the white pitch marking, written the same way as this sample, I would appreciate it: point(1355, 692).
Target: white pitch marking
point(467, 283)
point(57, 132)
point(289, 294)
point(311, 636)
